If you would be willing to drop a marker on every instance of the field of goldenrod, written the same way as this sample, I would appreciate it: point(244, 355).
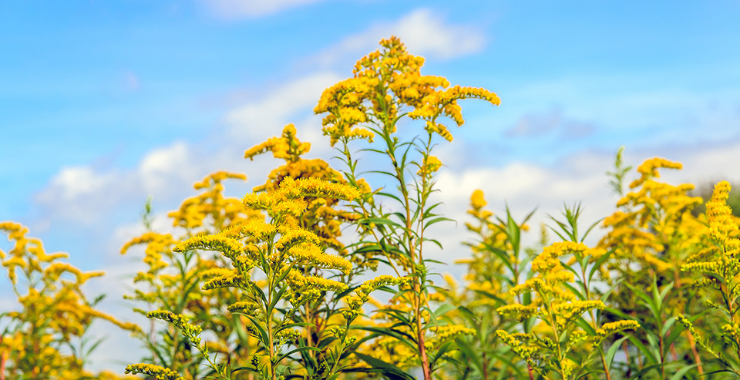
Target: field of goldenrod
point(266, 287)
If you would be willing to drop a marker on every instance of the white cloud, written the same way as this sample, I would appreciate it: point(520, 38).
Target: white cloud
point(238, 9)
point(266, 117)
point(87, 195)
point(578, 178)
point(424, 33)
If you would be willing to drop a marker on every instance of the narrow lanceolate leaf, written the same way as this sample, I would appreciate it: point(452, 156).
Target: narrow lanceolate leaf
point(613, 351)
point(386, 369)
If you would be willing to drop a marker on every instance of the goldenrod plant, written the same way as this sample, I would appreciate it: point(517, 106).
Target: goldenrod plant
point(652, 234)
point(44, 334)
point(285, 283)
point(718, 264)
point(387, 91)
point(277, 250)
point(497, 263)
point(172, 281)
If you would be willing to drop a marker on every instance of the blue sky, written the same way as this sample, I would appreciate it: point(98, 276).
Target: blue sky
point(105, 102)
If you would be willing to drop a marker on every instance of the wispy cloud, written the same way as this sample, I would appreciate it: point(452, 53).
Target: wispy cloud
point(538, 124)
point(240, 9)
point(266, 117)
point(579, 177)
point(86, 194)
point(423, 31)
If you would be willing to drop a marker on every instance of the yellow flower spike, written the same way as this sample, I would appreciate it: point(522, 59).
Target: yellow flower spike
point(576, 308)
point(521, 312)
point(228, 246)
point(431, 165)
point(159, 373)
point(243, 307)
point(311, 254)
point(294, 237)
point(256, 228)
point(611, 328)
point(232, 280)
point(478, 200)
point(649, 169)
point(54, 270)
point(300, 283)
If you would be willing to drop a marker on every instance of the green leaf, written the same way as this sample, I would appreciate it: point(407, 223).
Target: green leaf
point(613, 351)
point(443, 309)
point(299, 349)
point(682, 372)
point(599, 263)
point(389, 370)
point(667, 325)
point(646, 351)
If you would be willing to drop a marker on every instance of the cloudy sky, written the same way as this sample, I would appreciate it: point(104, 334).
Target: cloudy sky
point(103, 103)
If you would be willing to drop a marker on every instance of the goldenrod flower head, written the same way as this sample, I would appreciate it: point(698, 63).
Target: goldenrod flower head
point(232, 280)
point(610, 328)
point(243, 307)
point(384, 81)
point(721, 222)
point(180, 321)
point(478, 200)
point(301, 283)
point(311, 254)
point(520, 312)
point(231, 248)
point(517, 346)
point(449, 332)
point(287, 147)
point(649, 169)
point(431, 165)
point(159, 373)
point(54, 270)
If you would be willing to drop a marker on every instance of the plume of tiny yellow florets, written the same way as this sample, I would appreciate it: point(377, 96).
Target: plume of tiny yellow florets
point(286, 147)
point(231, 248)
point(611, 328)
point(309, 254)
point(287, 199)
point(362, 293)
point(52, 310)
point(159, 373)
point(721, 222)
point(721, 259)
point(431, 165)
point(180, 321)
point(649, 169)
point(232, 280)
point(525, 352)
point(211, 206)
point(384, 81)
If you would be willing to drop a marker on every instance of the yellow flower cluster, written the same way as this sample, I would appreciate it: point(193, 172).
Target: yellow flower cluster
point(52, 311)
point(649, 169)
point(210, 206)
point(431, 165)
point(287, 147)
point(721, 223)
point(156, 245)
point(722, 259)
point(287, 199)
point(656, 216)
point(159, 373)
point(180, 321)
point(383, 82)
point(611, 328)
point(311, 255)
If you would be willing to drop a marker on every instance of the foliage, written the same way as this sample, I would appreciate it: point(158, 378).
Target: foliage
point(267, 286)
